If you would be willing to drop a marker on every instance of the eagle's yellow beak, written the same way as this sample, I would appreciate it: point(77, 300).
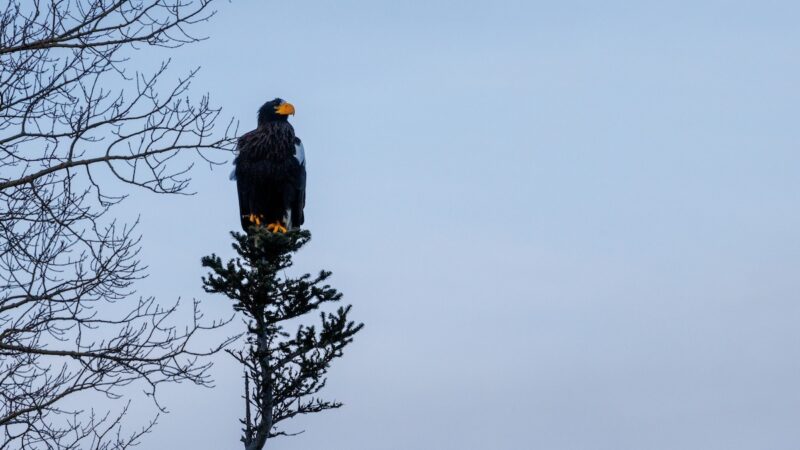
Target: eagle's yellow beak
point(285, 109)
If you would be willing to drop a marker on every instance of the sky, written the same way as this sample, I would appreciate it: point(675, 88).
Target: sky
point(566, 225)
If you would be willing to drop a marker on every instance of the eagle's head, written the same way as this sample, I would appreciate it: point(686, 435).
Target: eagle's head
point(274, 111)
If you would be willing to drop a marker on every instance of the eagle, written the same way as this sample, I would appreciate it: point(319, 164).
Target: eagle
point(270, 172)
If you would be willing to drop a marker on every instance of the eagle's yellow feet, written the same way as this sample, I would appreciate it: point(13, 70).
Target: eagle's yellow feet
point(276, 227)
point(254, 219)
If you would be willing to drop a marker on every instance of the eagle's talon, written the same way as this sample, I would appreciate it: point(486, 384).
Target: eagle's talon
point(276, 227)
point(255, 219)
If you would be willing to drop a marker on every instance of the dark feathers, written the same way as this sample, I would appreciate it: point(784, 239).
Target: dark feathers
point(267, 112)
point(270, 172)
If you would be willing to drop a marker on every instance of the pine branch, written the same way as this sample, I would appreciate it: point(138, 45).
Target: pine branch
point(287, 370)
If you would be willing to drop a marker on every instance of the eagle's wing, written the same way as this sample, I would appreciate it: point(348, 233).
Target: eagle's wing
point(300, 185)
point(243, 192)
point(243, 175)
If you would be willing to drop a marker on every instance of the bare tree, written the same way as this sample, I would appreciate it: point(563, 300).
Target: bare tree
point(75, 124)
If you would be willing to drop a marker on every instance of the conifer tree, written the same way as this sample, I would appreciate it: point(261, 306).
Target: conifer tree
point(283, 371)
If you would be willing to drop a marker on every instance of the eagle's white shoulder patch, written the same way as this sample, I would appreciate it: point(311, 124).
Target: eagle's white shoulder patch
point(300, 153)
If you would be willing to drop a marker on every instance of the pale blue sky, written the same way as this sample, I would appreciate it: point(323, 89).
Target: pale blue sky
point(567, 225)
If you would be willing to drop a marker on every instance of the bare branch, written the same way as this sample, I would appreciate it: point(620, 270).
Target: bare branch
point(77, 132)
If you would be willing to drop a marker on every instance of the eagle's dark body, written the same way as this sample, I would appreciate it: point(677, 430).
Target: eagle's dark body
point(270, 175)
